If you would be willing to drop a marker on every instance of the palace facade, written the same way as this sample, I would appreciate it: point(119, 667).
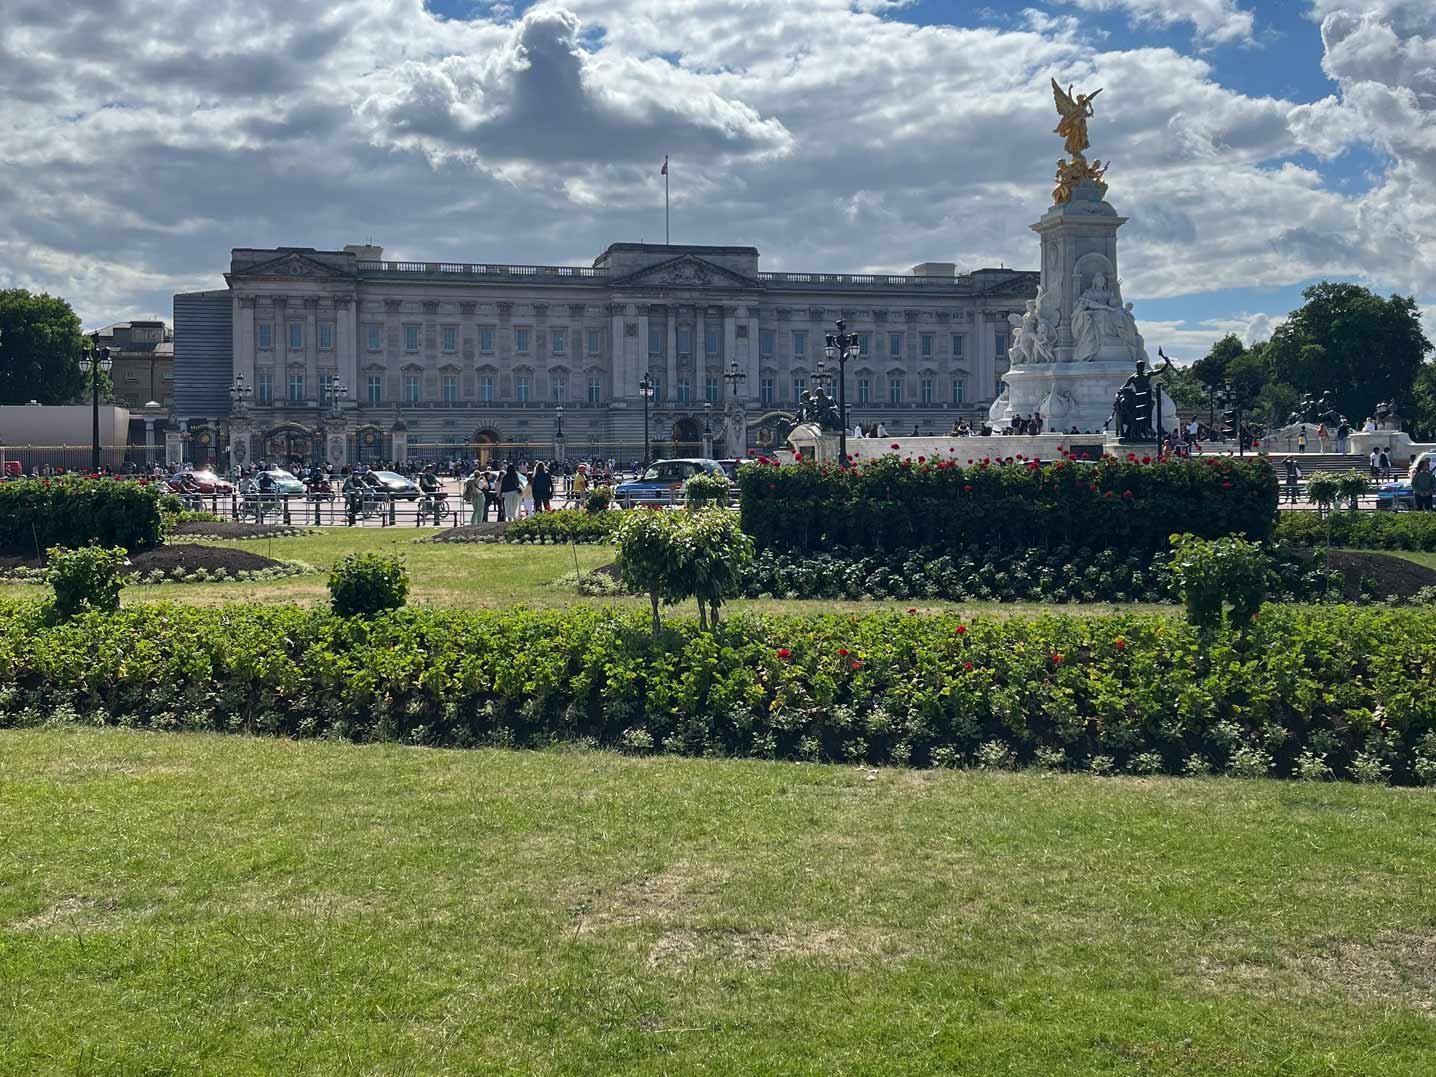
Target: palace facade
point(439, 360)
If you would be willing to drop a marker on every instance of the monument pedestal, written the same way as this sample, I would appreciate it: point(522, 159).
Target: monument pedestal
point(1069, 395)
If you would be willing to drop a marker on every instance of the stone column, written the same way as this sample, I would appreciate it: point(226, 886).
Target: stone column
point(749, 388)
point(243, 358)
point(149, 441)
point(281, 352)
point(672, 355)
point(618, 375)
point(700, 349)
point(730, 344)
point(311, 347)
point(346, 344)
point(504, 351)
point(632, 373)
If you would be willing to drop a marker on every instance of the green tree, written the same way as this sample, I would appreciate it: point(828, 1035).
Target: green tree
point(1423, 395)
point(1211, 370)
point(39, 349)
point(1351, 342)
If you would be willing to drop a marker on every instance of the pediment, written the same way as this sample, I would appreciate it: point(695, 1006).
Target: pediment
point(687, 271)
point(291, 264)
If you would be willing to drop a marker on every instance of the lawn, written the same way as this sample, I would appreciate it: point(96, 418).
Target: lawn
point(490, 575)
point(223, 905)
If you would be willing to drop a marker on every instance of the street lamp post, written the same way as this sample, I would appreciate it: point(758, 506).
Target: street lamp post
point(558, 433)
point(733, 377)
point(707, 428)
point(841, 346)
point(331, 392)
point(239, 394)
point(645, 390)
point(94, 361)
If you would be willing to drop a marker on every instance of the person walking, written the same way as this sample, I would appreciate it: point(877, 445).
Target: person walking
point(1293, 478)
point(579, 490)
point(1423, 485)
point(1375, 464)
point(1385, 462)
point(474, 495)
point(510, 489)
point(1343, 434)
point(1322, 436)
point(1301, 440)
point(542, 487)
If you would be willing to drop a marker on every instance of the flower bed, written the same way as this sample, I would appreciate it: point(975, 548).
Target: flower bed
point(1030, 575)
point(892, 504)
point(1339, 692)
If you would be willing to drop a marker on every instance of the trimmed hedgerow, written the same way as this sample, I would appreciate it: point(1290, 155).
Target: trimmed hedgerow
point(1343, 691)
point(1059, 574)
point(561, 526)
point(899, 504)
point(36, 514)
point(1360, 530)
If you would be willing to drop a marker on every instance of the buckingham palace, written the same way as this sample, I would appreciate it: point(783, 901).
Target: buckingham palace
point(311, 355)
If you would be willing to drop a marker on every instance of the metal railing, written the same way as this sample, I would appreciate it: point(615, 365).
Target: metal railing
point(484, 269)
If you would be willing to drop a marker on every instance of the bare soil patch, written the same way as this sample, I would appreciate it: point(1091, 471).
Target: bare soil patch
point(186, 555)
point(1386, 575)
point(483, 532)
point(235, 529)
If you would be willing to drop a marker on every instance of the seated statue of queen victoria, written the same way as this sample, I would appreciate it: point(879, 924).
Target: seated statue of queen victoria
point(1099, 319)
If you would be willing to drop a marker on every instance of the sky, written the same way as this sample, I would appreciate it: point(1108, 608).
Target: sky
point(1256, 146)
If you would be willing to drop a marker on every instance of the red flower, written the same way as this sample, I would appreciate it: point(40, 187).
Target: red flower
point(922, 459)
point(856, 665)
point(784, 653)
point(1108, 494)
point(912, 609)
point(1127, 494)
point(1120, 644)
point(1057, 659)
point(986, 459)
point(962, 630)
point(1146, 459)
point(967, 666)
point(967, 489)
point(1226, 486)
point(894, 445)
point(1132, 457)
point(842, 652)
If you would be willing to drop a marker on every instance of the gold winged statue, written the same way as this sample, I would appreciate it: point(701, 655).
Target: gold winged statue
point(1073, 128)
point(1073, 124)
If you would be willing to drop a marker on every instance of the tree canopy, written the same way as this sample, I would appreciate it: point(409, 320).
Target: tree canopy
point(40, 346)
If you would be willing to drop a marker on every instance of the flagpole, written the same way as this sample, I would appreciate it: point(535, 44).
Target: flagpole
point(667, 241)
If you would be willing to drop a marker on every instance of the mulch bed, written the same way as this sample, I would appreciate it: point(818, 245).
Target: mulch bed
point(469, 533)
point(235, 529)
point(1387, 575)
point(187, 556)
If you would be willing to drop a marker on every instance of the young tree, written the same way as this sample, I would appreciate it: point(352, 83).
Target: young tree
point(39, 349)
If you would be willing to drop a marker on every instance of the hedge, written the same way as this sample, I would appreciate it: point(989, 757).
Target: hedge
point(36, 514)
point(562, 525)
point(897, 504)
point(1360, 530)
point(1344, 691)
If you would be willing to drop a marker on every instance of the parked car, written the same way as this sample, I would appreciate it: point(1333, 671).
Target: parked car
point(730, 468)
point(1395, 496)
point(278, 483)
point(202, 481)
point(392, 485)
point(662, 483)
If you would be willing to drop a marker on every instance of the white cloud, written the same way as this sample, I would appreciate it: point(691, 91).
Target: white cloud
point(1217, 22)
point(828, 135)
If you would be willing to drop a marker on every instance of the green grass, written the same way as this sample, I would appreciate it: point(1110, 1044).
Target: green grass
point(1427, 559)
point(208, 905)
point(490, 575)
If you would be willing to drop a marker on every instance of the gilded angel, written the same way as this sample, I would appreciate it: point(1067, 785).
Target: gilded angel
point(1073, 124)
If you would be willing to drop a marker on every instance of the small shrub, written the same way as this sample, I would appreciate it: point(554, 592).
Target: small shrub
point(89, 578)
point(704, 491)
point(365, 585)
point(1215, 573)
point(599, 499)
point(1311, 767)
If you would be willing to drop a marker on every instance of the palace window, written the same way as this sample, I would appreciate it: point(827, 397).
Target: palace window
point(296, 336)
point(800, 342)
point(486, 388)
point(765, 390)
point(927, 343)
point(657, 388)
point(486, 339)
point(894, 343)
point(958, 345)
point(710, 390)
point(959, 390)
point(521, 341)
point(296, 388)
point(374, 338)
point(765, 342)
point(711, 343)
point(685, 341)
point(559, 339)
point(451, 338)
point(655, 341)
point(865, 391)
point(375, 389)
point(558, 387)
point(894, 390)
point(594, 342)
point(800, 386)
point(266, 387)
point(521, 388)
point(925, 389)
point(1001, 344)
point(326, 336)
point(451, 388)
point(411, 388)
point(266, 336)
point(682, 390)
point(411, 338)
point(595, 390)
point(865, 343)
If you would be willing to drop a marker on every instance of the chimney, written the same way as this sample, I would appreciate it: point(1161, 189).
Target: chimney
point(935, 269)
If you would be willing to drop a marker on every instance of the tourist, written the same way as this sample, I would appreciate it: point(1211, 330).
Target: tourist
point(474, 495)
point(1385, 462)
point(1321, 436)
point(1343, 434)
point(1423, 485)
point(1293, 478)
point(1301, 439)
point(510, 490)
point(1369, 427)
point(579, 489)
point(541, 489)
point(882, 430)
point(1375, 464)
